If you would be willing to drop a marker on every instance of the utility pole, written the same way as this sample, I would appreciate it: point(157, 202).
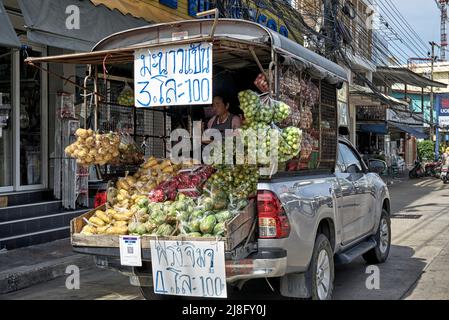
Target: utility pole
point(434, 131)
point(330, 12)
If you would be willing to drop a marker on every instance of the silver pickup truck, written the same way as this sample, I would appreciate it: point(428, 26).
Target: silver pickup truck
point(307, 224)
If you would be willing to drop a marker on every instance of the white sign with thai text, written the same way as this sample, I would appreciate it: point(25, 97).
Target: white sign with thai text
point(173, 75)
point(195, 269)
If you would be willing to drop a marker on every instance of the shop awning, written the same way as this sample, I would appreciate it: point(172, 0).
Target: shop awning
point(374, 128)
point(391, 75)
point(150, 10)
point(417, 132)
point(8, 37)
point(46, 23)
point(355, 89)
point(120, 47)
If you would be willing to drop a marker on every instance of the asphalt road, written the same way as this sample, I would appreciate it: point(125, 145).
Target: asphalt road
point(416, 269)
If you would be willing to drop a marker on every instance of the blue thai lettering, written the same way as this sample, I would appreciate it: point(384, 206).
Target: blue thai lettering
point(144, 70)
point(170, 3)
point(211, 254)
point(159, 283)
point(190, 252)
point(272, 25)
point(173, 53)
point(171, 91)
point(205, 60)
point(186, 284)
point(161, 254)
point(181, 70)
point(176, 273)
point(161, 79)
point(283, 31)
point(262, 19)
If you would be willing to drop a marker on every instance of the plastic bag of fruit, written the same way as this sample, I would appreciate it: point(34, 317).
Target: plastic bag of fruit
point(126, 97)
point(261, 83)
point(130, 152)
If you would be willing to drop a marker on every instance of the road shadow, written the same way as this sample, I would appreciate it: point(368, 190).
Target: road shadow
point(357, 281)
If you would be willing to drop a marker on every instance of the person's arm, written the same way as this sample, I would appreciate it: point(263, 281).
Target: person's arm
point(210, 123)
point(236, 123)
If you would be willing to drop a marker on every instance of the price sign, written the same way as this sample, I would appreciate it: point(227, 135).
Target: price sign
point(175, 75)
point(130, 251)
point(195, 269)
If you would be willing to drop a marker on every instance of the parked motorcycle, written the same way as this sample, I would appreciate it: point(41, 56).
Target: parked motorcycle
point(417, 171)
point(444, 174)
point(433, 169)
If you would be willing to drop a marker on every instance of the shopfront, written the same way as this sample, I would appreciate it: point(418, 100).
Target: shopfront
point(28, 96)
point(24, 125)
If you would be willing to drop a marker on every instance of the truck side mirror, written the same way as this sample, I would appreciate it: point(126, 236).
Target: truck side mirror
point(377, 166)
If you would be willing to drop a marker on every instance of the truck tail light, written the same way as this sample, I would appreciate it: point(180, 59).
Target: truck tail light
point(273, 221)
point(100, 199)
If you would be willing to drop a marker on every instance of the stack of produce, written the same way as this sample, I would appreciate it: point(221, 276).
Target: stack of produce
point(92, 148)
point(290, 143)
point(309, 93)
point(306, 118)
point(130, 188)
point(111, 222)
point(239, 182)
point(203, 217)
point(306, 147)
point(190, 183)
point(261, 116)
point(265, 111)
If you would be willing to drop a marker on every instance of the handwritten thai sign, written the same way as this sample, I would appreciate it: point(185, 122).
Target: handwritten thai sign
point(175, 75)
point(195, 269)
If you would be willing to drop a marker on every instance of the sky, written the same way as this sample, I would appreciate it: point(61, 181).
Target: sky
point(423, 16)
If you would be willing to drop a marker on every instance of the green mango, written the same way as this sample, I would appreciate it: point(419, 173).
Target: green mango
point(208, 224)
point(219, 229)
point(165, 230)
point(223, 216)
point(197, 214)
point(194, 225)
point(195, 235)
point(143, 202)
point(133, 227)
point(141, 229)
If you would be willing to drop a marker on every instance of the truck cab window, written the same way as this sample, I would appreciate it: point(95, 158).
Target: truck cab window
point(351, 161)
point(340, 167)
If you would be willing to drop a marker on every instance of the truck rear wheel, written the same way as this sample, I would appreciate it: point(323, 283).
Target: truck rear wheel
point(322, 269)
point(383, 238)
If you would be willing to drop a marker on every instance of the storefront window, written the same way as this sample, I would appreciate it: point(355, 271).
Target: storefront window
point(30, 122)
point(6, 132)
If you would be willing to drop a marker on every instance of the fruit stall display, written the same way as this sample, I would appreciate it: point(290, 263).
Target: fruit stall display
point(263, 115)
point(163, 199)
point(93, 148)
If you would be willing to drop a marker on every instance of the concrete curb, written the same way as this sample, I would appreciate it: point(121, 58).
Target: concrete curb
point(24, 277)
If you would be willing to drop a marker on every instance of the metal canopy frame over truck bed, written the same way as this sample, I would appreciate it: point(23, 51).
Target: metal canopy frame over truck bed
point(236, 44)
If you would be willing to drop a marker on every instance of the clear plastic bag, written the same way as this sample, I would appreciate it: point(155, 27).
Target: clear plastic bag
point(126, 97)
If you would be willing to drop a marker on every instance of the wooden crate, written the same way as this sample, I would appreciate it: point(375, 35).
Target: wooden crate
point(238, 230)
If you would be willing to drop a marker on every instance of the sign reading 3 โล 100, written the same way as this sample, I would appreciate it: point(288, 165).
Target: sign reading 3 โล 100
point(173, 75)
point(195, 268)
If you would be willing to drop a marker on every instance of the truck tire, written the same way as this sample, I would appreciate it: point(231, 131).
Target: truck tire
point(321, 269)
point(148, 294)
point(380, 253)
